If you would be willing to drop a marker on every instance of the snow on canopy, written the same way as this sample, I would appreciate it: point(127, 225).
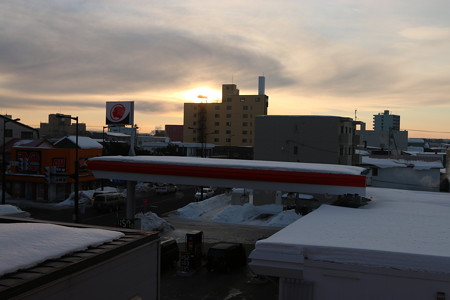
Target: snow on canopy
point(236, 163)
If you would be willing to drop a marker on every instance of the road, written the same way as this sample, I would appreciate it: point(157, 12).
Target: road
point(159, 204)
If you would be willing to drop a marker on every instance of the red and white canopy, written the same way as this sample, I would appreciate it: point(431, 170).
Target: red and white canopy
point(264, 175)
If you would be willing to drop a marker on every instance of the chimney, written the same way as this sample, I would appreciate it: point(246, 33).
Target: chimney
point(261, 85)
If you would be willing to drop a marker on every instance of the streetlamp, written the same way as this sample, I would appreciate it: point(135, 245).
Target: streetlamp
point(104, 127)
point(5, 120)
point(77, 165)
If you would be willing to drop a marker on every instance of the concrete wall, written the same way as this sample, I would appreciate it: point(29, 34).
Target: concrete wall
point(380, 139)
point(311, 139)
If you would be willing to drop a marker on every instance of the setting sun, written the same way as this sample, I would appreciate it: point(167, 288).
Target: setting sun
point(202, 95)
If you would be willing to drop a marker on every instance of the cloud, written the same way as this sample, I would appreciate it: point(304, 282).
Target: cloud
point(72, 52)
point(427, 33)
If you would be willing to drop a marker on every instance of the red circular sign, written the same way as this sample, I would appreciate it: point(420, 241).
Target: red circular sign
point(117, 112)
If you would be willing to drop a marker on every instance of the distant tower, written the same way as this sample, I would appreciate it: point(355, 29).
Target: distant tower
point(386, 122)
point(261, 85)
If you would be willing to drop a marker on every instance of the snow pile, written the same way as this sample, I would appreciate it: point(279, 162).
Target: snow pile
point(27, 244)
point(7, 209)
point(218, 209)
point(150, 221)
point(204, 209)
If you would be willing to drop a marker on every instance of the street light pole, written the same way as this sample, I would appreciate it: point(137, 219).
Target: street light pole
point(77, 170)
point(5, 120)
point(76, 218)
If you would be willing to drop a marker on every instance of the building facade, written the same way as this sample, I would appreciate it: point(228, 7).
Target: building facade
point(386, 122)
point(13, 129)
point(61, 126)
point(227, 123)
point(310, 139)
point(42, 171)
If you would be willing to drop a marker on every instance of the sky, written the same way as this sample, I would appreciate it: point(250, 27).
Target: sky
point(325, 57)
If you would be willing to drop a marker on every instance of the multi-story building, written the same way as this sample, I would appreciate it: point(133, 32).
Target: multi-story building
point(310, 139)
point(386, 122)
point(227, 123)
point(61, 125)
point(13, 129)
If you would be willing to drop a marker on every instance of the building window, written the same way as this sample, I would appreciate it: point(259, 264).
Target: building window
point(228, 131)
point(195, 115)
point(194, 123)
point(216, 124)
point(295, 150)
point(244, 132)
point(216, 140)
point(194, 139)
point(228, 140)
point(228, 124)
point(245, 107)
point(8, 133)
point(216, 131)
point(228, 116)
point(258, 99)
point(242, 99)
point(244, 123)
point(217, 116)
point(229, 100)
point(245, 140)
point(229, 107)
point(217, 107)
point(245, 116)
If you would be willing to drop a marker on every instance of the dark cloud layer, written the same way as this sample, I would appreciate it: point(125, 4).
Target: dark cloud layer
point(71, 53)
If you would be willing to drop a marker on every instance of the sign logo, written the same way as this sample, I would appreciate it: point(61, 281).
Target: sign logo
point(117, 112)
point(120, 113)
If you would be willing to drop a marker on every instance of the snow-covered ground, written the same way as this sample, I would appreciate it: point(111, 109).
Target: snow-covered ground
point(219, 209)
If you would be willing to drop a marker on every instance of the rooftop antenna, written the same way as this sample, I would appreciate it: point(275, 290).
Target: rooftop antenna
point(232, 79)
point(355, 114)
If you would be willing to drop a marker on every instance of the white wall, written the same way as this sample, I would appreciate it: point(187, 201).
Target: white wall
point(407, 179)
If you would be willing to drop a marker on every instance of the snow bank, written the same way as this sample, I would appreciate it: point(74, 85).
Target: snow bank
point(150, 221)
point(27, 244)
point(218, 209)
point(7, 209)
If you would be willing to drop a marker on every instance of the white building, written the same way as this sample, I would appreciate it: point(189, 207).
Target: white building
point(386, 122)
point(396, 247)
point(407, 172)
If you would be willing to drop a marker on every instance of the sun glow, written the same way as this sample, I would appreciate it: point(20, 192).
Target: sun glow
point(202, 95)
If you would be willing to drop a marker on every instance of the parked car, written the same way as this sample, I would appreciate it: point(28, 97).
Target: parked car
point(163, 188)
point(207, 193)
point(226, 257)
point(108, 201)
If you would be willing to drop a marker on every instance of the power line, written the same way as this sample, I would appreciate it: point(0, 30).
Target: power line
point(427, 131)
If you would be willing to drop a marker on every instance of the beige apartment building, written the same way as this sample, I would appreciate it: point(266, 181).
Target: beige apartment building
point(227, 123)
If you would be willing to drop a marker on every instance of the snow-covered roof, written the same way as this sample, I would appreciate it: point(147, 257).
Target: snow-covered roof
point(118, 134)
point(401, 229)
point(402, 163)
point(28, 244)
point(84, 142)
